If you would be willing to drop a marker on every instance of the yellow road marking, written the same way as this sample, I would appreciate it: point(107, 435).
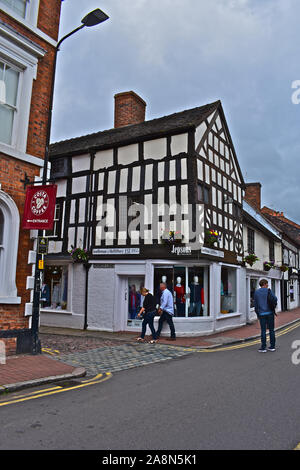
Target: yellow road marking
point(98, 376)
point(297, 447)
point(55, 390)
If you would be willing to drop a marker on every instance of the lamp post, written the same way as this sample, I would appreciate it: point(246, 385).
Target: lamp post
point(91, 19)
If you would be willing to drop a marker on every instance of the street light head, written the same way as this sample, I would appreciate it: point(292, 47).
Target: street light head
point(94, 17)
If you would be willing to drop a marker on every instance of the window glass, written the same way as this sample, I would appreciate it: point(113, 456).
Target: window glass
point(9, 79)
point(19, 6)
point(135, 299)
point(54, 293)
point(253, 287)
point(1, 227)
point(189, 286)
point(228, 290)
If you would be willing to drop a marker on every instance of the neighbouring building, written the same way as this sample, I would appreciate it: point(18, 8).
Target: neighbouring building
point(142, 199)
point(264, 240)
point(28, 35)
point(290, 287)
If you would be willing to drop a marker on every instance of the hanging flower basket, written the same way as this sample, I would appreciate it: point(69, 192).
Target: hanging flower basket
point(251, 259)
point(283, 268)
point(171, 237)
point(79, 255)
point(268, 265)
point(211, 237)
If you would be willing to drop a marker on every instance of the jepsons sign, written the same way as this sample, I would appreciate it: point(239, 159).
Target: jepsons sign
point(39, 207)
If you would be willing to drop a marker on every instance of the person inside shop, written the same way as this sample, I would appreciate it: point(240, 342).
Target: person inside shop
point(134, 302)
point(166, 312)
point(45, 295)
point(147, 312)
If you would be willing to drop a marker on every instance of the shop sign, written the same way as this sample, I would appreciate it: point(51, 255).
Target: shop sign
point(39, 207)
point(103, 266)
point(116, 251)
point(181, 250)
point(43, 244)
point(211, 252)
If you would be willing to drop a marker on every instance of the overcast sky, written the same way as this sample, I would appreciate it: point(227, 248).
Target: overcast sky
point(179, 54)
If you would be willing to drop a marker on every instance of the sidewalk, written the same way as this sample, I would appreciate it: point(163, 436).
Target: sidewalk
point(26, 371)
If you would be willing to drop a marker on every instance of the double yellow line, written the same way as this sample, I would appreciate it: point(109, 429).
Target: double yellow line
point(58, 389)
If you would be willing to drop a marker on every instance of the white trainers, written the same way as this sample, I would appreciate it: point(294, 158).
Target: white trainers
point(262, 350)
point(271, 349)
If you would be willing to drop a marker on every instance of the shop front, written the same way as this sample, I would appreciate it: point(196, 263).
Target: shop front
point(252, 282)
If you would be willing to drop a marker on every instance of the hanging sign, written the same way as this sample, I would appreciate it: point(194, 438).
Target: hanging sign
point(39, 207)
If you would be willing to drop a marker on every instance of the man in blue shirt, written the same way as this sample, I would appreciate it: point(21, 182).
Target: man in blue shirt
point(166, 311)
point(265, 313)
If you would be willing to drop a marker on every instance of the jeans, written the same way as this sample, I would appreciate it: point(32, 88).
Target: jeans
point(165, 316)
point(148, 320)
point(267, 321)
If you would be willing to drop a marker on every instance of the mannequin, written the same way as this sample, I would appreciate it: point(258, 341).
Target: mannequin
point(159, 292)
point(195, 297)
point(179, 295)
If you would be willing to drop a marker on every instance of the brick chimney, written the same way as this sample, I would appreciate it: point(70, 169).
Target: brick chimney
point(253, 194)
point(129, 109)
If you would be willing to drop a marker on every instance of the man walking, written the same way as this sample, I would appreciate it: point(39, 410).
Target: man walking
point(166, 311)
point(264, 303)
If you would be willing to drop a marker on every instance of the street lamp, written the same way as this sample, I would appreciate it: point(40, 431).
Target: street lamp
point(91, 19)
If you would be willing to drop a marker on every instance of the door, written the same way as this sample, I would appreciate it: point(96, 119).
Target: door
point(133, 300)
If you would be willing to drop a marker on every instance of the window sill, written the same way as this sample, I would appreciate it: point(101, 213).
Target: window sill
point(13, 152)
point(54, 310)
point(221, 316)
point(10, 300)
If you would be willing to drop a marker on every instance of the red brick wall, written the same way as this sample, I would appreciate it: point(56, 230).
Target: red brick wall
point(13, 170)
point(129, 109)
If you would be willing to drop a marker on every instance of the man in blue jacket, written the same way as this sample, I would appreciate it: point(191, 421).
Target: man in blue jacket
point(264, 303)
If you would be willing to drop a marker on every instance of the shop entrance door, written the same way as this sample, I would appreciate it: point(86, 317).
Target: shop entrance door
point(133, 300)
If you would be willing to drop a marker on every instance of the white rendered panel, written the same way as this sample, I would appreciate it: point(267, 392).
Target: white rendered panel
point(128, 154)
point(81, 163)
point(200, 131)
point(79, 185)
point(111, 182)
point(155, 149)
point(184, 199)
point(161, 171)
point(103, 159)
point(100, 181)
point(184, 169)
point(136, 178)
point(172, 170)
point(200, 170)
point(179, 144)
point(148, 176)
point(61, 188)
point(123, 180)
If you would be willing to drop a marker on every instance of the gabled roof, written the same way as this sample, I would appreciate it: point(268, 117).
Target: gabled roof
point(154, 128)
point(260, 221)
point(286, 226)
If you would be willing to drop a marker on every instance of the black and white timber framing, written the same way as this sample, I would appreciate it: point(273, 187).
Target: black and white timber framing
point(170, 160)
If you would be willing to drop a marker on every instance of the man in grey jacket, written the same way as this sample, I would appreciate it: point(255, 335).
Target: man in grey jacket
point(264, 303)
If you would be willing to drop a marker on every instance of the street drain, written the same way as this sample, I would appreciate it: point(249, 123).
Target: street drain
point(68, 383)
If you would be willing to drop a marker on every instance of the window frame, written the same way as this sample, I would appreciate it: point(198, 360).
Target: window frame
point(251, 240)
point(9, 250)
point(31, 13)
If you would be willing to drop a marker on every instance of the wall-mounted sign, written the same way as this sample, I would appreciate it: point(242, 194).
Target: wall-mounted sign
point(39, 207)
point(211, 252)
point(116, 251)
point(103, 266)
point(43, 245)
point(181, 250)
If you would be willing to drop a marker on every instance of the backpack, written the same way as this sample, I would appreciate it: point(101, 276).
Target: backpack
point(271, 301)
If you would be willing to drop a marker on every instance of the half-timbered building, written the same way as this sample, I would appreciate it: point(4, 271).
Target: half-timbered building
point(150, 201)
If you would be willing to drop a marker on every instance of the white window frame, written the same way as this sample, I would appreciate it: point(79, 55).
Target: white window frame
point(23, 55)
point(31, 15)
point(9, 250)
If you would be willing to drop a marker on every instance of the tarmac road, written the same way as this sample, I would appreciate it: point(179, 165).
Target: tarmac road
point(230, 399)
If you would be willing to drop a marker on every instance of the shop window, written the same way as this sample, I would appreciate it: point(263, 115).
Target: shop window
point(57, 221)
point(253, 287)
point(228, 290)
point(54, 292)
point(292, 292)
point(189, 286)
point(203, 194)
point(135, 299)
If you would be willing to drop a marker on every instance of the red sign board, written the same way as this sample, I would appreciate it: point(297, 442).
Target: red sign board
point(39, 207)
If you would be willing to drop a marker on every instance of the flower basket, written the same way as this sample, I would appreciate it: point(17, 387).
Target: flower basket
point(211, 237)
point(171, 237)
point(283, 268)
point(79, 255)
point(268, 265)
point(251, 259)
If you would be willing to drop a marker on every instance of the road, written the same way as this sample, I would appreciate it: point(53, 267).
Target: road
point(230, 399)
